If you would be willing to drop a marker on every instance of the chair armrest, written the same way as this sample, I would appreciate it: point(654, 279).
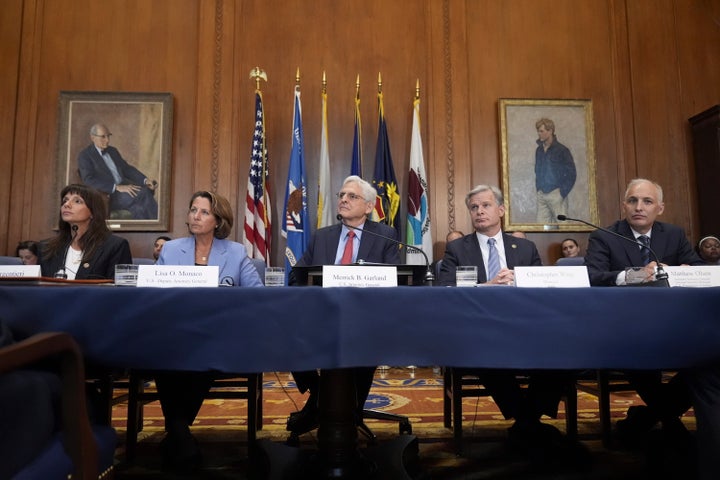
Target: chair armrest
point(78, 439)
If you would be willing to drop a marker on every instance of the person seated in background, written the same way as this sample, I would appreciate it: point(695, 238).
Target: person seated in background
point(341, 245)
point(496, 254)
point(708, 248)
point(606, 258)
point(158, 245)
point(517, 234)
point(28, 252)
point(454, 235)
point(84, 247)
point(569, 248)
point(209, 220)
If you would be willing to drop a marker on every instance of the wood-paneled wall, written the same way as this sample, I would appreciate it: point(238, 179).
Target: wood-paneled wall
point(648, 65)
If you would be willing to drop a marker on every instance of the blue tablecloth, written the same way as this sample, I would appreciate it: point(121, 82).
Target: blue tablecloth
point(279, 329)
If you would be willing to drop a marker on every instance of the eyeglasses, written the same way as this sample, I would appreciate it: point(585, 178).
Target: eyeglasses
point(351, 196)
point(103, 136)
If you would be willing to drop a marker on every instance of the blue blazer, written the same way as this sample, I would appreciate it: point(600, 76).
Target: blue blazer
point(608, 255)
point(230, 256)
point(519, 252)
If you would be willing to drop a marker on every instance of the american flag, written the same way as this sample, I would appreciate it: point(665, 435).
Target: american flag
point(258, 213)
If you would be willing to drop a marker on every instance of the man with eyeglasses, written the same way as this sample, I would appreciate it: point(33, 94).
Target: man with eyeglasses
point(336, 245)
point(130, 192)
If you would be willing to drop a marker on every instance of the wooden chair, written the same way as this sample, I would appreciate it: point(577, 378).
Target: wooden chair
point(459, 383)
point(80, 450)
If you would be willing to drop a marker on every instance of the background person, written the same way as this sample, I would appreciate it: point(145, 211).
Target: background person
point(334, 245)
point(158, 245)
point(84, 247)
point(102, 167)
point(555, 173)
point(569, 248)
point(495, 254)
point(209, 221)
point(708, 248)
point(29, 252)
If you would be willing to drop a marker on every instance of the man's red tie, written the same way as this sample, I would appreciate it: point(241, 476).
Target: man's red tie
point(348, 253)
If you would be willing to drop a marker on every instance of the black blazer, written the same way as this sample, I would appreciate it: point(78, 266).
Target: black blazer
point(324, 243)
point(94, 172)
point(115, 250)
point(519, 252)
point(608, 255)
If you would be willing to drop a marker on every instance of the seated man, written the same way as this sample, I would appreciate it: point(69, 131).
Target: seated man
point(607, 258)
point(496, 254)
point(339, 244)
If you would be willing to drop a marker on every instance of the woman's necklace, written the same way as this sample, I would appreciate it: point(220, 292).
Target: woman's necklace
point(202, 254)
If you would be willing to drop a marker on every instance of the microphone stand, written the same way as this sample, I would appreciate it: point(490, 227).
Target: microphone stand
point(429, 276)
point(661, 276)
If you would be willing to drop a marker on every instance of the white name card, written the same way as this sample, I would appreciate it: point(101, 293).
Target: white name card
point(177, 276)
point(359, 276)
point(694, 276)
point(552, 277)
point(18, 271)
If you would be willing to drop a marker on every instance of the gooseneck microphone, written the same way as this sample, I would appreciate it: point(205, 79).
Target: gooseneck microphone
point(62, 273)
point(661, 276)
point(429, 277)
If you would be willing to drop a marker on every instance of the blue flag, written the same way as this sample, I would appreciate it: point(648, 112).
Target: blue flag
point(387, 203)
point(296, 223)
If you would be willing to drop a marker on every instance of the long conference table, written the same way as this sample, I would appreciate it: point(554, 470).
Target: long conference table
point(281, 329)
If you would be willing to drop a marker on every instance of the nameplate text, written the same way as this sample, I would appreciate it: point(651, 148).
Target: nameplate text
point(177, 276)
point(19, 271)
point(552, 277)
point(359, 276)
point(694, 276)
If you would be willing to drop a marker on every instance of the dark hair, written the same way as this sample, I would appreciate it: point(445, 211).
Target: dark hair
point(28, 245)
point(570, 240)
point(97, 231)
point(222, 210)
point(163, 237)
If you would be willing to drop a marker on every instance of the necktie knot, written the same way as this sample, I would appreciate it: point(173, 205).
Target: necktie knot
point(644, 239)
point(491, 242)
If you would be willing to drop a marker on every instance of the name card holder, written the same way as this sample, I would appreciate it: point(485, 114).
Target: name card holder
point(694, 276)
point(166, 276)
point(552, 277)
point(359, 276)
point(20, 271)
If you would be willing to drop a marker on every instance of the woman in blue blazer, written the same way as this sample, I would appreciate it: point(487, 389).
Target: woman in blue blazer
point(209, 221)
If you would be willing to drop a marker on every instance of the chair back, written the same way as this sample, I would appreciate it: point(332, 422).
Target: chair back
point(143, 261)
point(4, 260)
point(570, 262)
point(259, 264)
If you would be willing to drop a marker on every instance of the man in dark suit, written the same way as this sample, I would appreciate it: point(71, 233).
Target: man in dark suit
point(495, 254)
point(338, 244)
point(607, 258)
point(102, 167)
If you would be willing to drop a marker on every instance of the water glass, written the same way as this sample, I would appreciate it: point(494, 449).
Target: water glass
point(274, 276)
point(126, 275)
point(466, 276)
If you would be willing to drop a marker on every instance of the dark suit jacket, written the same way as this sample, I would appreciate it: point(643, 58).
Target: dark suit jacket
point(115, 250)
point(324, 244)
point(94, 171)
point(519, 252)
point(608, 255)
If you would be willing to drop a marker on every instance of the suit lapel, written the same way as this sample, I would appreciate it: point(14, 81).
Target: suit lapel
point(632, 251)
point(331, 245)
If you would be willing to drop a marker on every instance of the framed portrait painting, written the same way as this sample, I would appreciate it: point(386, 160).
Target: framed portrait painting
point(120, 144)
point(548, 164)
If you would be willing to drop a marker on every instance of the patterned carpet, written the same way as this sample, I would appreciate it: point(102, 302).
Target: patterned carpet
point(416, 393)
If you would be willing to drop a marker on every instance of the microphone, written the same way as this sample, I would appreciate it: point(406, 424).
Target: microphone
point(429, 277)
point(62, 273)
point(661, 276)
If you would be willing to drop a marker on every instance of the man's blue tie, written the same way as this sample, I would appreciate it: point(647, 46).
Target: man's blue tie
point(493, 260)
point(645, 250)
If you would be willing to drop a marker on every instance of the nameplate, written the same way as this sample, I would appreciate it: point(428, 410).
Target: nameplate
point(552, 277)
point(359, 276)
point(694, 276)
point(19, 271)
point(177, 276)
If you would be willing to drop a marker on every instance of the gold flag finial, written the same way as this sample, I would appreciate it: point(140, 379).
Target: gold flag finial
point(297, 77)
point(379, 83)
point(258, 75)
point(417, 89)
point(324, 83)
point(357, 87)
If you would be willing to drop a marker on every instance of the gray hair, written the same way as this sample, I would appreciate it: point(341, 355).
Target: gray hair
point(484, 188)
point(637, 181)
point(368, 191)
point(94, 128)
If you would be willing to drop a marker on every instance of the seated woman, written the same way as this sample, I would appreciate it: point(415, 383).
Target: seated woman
point(209, 220)
point(569, 248)
point(28, 252)
point(84, 247)
point(709, 250)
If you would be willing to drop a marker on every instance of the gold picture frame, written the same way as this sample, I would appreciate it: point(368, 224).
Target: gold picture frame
point(141, 127)
point(574, 128)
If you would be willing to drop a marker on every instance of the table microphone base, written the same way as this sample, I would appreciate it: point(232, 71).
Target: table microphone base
point(396, 459)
